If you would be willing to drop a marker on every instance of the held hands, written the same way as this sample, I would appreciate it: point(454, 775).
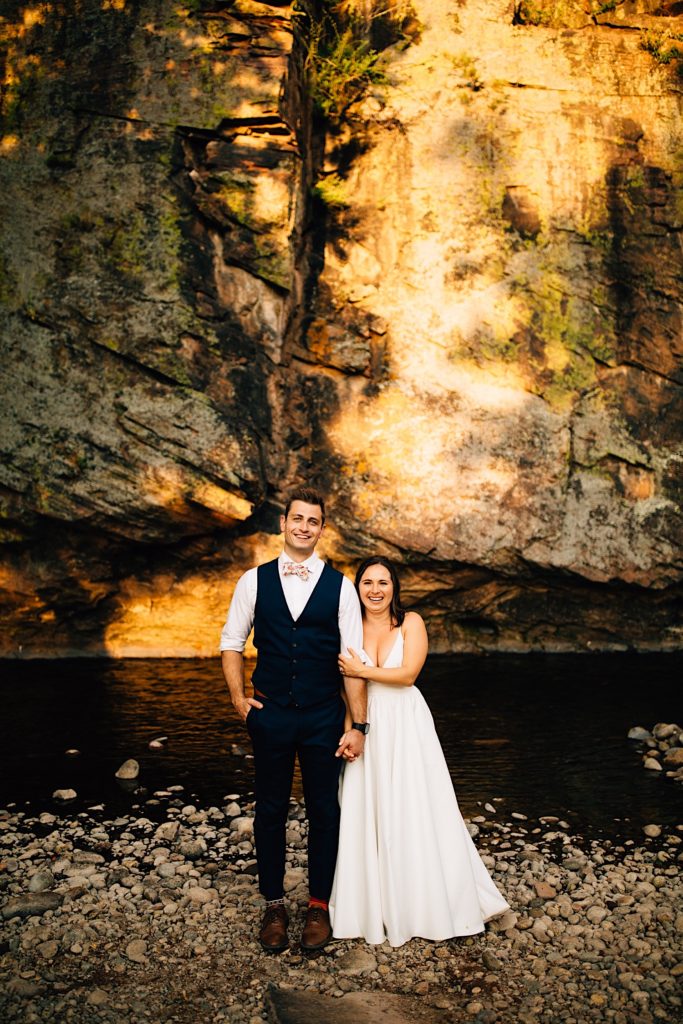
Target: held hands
point(351, 745)
point(351, 665)
point(244, 706)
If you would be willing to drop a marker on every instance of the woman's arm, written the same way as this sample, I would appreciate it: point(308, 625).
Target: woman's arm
point(415, 646)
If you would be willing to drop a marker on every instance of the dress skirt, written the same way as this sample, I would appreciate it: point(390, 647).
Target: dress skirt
point(406, 864)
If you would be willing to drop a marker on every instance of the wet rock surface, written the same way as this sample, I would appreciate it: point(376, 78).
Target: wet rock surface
point(138, 920)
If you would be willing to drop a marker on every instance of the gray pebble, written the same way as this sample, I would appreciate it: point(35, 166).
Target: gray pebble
point(357, 961)
point(137, 951)
point(41, 880)
point(22, 987)
point(639, 733)
point(192, 849)
point(98, 997)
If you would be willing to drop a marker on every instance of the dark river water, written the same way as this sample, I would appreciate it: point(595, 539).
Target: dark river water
point(541, 735)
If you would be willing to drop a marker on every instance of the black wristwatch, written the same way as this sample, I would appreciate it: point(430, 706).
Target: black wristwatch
point(363, 727)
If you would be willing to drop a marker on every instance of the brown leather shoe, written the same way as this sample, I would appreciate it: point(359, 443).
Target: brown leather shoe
point(273, 934)
point(317, 930)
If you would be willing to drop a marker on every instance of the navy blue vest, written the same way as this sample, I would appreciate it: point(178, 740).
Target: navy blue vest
point(297, 660)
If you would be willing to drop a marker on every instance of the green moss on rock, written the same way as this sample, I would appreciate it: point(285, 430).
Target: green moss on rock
point(150, 239)
point(571, 334)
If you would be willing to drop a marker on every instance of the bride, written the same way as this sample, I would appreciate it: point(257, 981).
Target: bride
point(406, 864)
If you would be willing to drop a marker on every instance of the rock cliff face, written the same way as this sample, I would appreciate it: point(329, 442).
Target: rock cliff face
point(457, 309)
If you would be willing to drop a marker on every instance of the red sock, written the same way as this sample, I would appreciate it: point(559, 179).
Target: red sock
point(313, 902)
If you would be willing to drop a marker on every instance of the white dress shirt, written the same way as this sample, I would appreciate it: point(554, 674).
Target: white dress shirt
point(240, 620)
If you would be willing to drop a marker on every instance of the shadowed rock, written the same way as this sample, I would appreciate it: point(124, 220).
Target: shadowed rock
point(31, 904)
point(289, 1007)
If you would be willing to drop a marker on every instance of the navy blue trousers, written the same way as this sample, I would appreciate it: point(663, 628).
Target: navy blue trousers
point(278, 736)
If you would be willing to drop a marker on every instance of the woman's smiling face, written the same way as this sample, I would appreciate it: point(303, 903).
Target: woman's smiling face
point(376, 589)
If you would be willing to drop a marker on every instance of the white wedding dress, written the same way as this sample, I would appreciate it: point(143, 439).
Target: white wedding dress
point(406, 864)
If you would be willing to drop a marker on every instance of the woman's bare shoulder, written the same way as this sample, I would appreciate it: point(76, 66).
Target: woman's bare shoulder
point(413, 621)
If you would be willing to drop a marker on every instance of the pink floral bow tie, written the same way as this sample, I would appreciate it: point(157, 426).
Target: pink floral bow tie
point(296, 569)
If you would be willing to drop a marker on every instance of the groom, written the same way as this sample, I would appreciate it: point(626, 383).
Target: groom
point(303, 614)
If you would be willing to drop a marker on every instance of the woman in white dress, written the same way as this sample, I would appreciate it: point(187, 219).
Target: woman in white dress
point(406, 864)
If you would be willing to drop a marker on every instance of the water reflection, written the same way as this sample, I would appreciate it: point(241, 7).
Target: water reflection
point(547, 734)
point(540, 735)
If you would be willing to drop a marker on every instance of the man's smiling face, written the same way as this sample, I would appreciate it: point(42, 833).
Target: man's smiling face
point(302, 529)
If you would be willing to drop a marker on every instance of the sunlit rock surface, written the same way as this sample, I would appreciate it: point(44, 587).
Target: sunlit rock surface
point(476, 351)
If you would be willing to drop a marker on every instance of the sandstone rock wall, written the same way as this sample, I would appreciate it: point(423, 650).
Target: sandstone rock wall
point(474, 346)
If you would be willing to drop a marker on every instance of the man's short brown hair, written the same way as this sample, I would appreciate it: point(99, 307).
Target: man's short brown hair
point(307, 494)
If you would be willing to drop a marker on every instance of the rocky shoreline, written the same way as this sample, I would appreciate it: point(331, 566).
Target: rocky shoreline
point(128, 919)
point(662, 748)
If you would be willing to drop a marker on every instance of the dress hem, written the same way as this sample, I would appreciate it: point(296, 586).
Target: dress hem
point(427, 938)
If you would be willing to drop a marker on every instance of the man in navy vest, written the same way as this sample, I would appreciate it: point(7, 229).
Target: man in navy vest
point(303, 614)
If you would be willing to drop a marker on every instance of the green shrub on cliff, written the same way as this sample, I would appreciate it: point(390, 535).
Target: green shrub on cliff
point(333, 191)
point(664, 46)
point(562, 13)
point(342, 71)
point(340, 64)
point(343, 44)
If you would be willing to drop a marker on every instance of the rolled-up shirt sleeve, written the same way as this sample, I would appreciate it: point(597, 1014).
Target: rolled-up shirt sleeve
point(350, 620)
point(240, 613)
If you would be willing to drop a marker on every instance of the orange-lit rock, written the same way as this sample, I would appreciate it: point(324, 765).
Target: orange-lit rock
point(475, 348)
point(185, 611)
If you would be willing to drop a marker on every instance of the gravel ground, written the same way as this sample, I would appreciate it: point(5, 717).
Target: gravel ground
point(128, 919)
